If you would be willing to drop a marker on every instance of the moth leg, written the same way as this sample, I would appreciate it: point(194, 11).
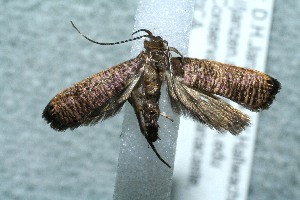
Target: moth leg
point(133, 100)
point(176, 51)
point(157, 154)
point(166, 116)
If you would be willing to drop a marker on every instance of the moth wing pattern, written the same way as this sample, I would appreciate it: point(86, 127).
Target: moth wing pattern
point(250, 88)
point(95, 98)
point(195, 82)
point(205, 108)
point(194, 86)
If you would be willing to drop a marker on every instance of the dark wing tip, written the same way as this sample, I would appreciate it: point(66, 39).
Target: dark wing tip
point(274, 89)
point(51, 119)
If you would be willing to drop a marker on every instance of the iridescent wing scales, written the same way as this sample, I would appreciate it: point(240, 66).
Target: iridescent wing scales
point(95, 98)
point(250, 88)
point(194, 82)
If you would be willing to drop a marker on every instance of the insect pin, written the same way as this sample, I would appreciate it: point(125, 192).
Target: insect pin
point(193, 87)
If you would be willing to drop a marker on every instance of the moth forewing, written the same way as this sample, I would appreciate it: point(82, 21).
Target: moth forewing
point(250, 88)
point(95, 98)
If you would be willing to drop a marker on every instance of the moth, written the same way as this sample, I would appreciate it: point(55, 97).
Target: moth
point(194, 87)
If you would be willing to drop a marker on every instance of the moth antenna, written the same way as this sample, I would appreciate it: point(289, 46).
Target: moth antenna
point(145, 30)
point(110, 43)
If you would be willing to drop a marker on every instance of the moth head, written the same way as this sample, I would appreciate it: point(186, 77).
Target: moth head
point(155, 42)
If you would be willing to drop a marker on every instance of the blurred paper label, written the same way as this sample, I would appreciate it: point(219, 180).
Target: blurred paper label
point(210, 165)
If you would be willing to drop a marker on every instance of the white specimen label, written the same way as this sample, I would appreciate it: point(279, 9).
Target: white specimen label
point(210, 165)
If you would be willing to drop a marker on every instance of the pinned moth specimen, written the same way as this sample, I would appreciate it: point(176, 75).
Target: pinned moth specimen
point(193, 86)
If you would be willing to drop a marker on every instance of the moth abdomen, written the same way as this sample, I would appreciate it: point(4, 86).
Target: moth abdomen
point(150, 97)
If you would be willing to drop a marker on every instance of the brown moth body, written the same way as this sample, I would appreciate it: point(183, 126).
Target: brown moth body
point(191, 83)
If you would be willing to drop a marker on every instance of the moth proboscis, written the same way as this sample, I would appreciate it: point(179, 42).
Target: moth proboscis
point(193, 86)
